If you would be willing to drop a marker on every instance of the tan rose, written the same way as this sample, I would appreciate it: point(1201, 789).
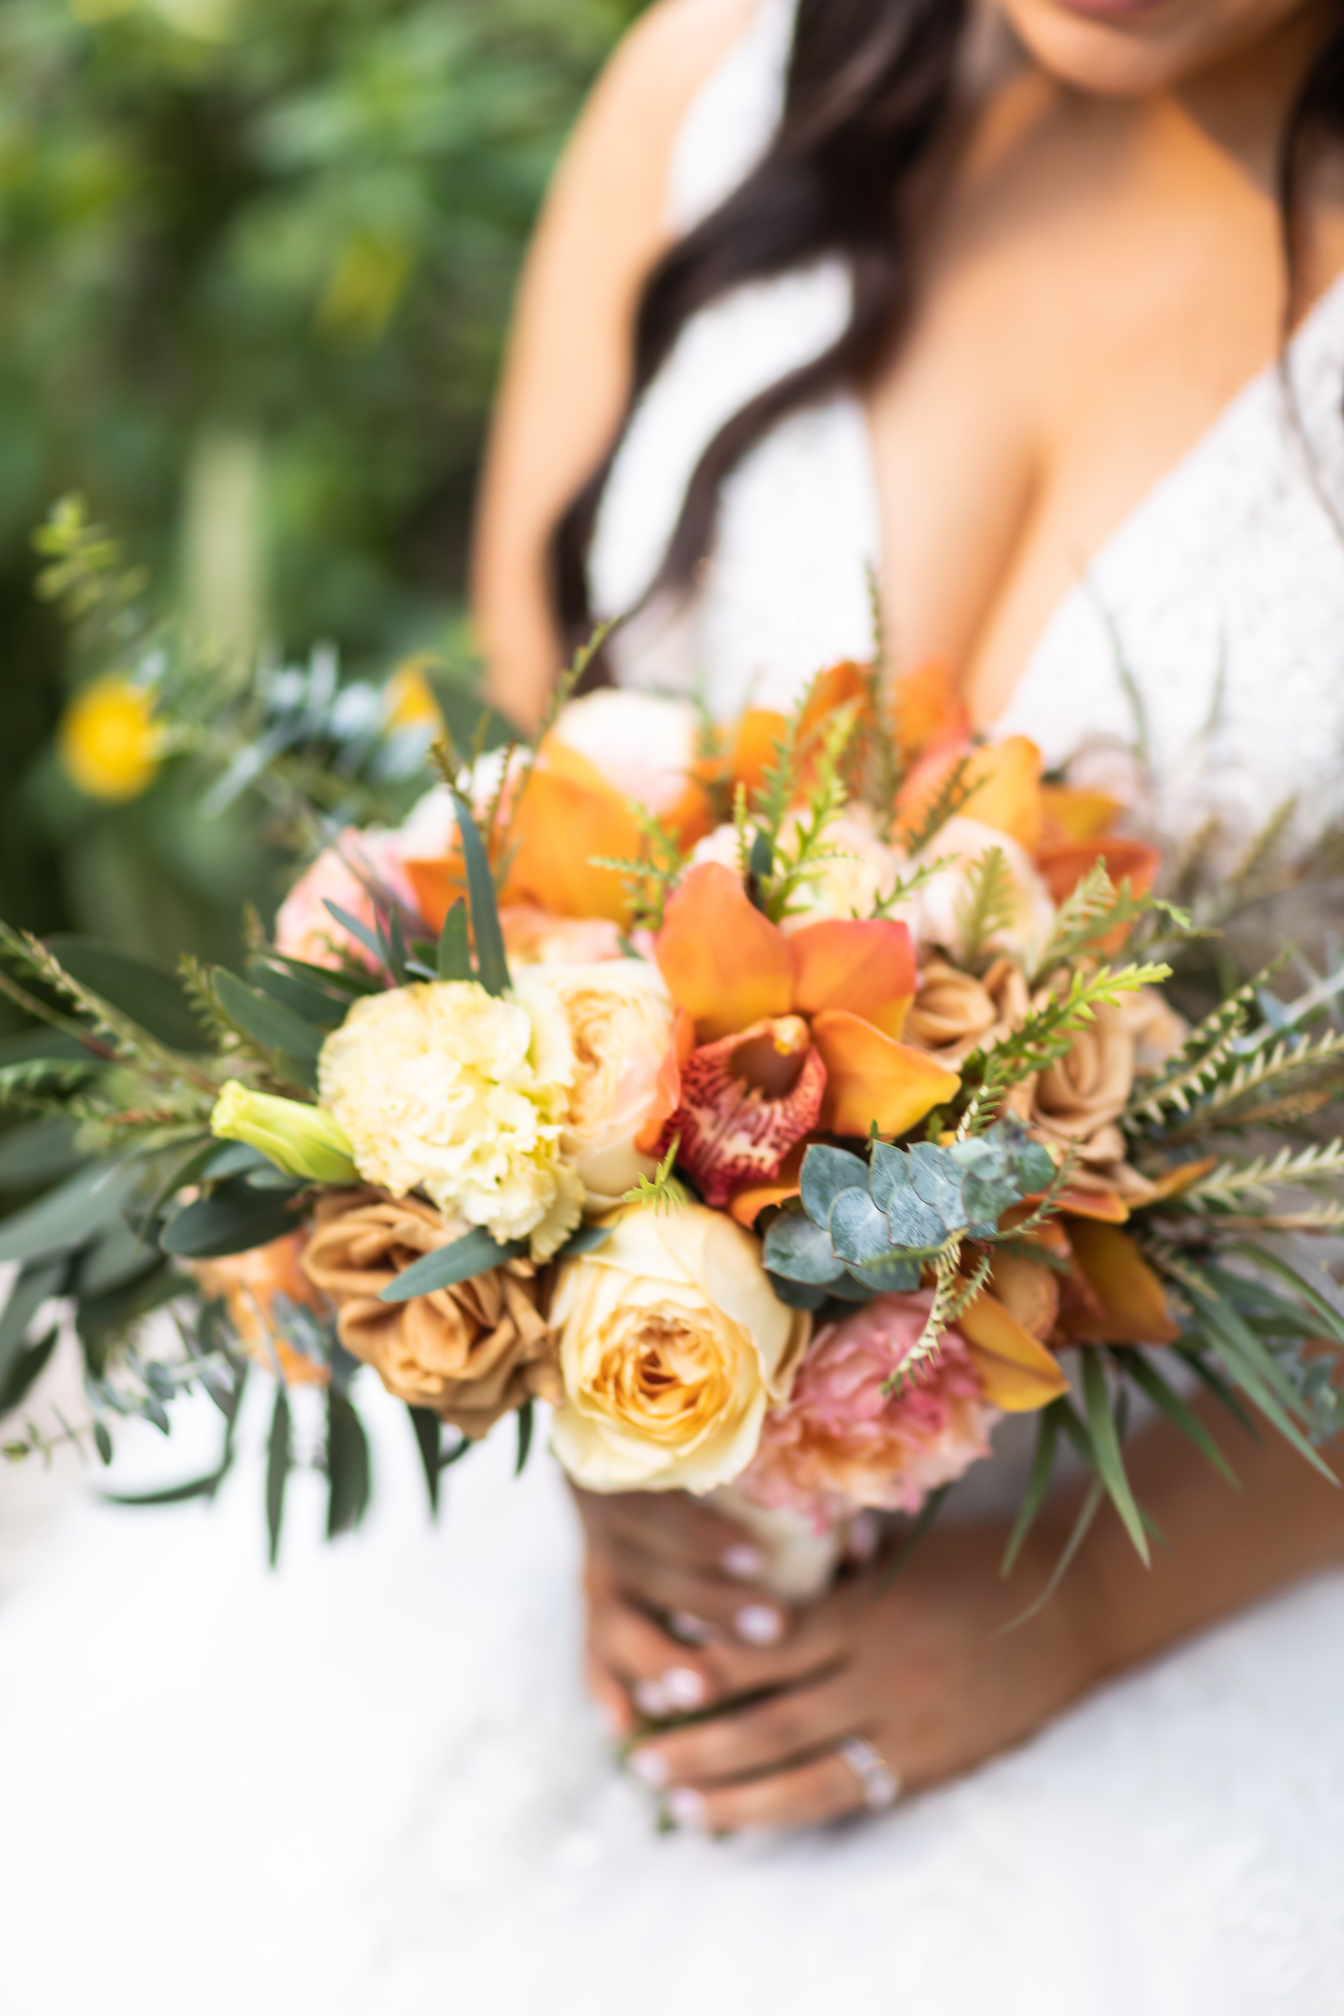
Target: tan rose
point(1078, 1101)
point(953, 1013)
point(672, 1343)
point(471, 1353)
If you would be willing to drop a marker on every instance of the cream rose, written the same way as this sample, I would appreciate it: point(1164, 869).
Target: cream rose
point(857, 870)
point(621, 1022)
point(643, 744)
point(672, 1344)
point(443, 1088)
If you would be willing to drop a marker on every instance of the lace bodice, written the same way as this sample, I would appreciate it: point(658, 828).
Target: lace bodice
point(1208, 632)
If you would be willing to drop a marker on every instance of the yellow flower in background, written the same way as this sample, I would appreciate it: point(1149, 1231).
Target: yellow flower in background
point(109, 741)
point(408, 698)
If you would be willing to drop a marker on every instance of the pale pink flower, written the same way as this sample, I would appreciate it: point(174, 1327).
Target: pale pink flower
point(344, 875)
point(839, 1443)
point(535, 937)
point(643, 744)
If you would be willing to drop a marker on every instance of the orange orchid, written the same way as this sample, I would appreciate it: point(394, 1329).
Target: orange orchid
point(566, 819)
point(930, 713)
point(795, 1032)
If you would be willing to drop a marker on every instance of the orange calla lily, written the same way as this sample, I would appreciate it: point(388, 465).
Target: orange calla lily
point(1063, 866)
point(1070, 814)
point(761, 728)
point(729, 967)
point(1005, 783)
point(1133, 1301)
point(930, 712)
point(567, 815)
point(437, 886)
point(667, 1087)
point(1015, 1371)
point(1106, 1207)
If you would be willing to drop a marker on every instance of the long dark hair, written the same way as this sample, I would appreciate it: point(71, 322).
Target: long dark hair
point(869, 95)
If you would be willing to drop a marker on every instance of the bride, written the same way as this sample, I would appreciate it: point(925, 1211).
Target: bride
point(1039, 314)
point(985, 304)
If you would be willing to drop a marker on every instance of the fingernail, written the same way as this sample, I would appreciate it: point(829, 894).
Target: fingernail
point(744, 1564)
point(649, 1766)
point(759, 1624)
point(683, 1687)
point(687, 1807)
point(649, 1697)
point(694, 1630)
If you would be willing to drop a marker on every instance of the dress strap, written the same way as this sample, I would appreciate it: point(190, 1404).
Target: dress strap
point(732, 118)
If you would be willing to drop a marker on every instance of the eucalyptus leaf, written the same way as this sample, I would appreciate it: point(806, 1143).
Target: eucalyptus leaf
point(799, 1294)
point(825, 1173)
point(25, 1368)
point(233, 1218)
point(800, 1250)
point(428, 1437)
point(325, 1007)
point(491, 964)
point(585, 1239)
point(474, 1253)
point(937, 1178)
point(1110, 1461)
point(68, 1216)
point(279, 1461)
point(171, 1494)
point(37, 1153)
point(897, 1276)
point(913, 1225)
point(121, 1254)
point(348, 1468)
point(857, 1229)
point(454, 953)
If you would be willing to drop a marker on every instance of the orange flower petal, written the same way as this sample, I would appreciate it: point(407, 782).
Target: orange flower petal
point(754, 750)
point(437, 886)
point(753, 1198)
point(866, 965)
point(566, 817)
point(1007, 788)
point(870, 1078)
point(725, 963)
point(1133, 1301)
point(930, 713)
point(1071, 815)
point(667, 1086)
point(1016, 1372)
point(1107, 1207)
point(1063, 867)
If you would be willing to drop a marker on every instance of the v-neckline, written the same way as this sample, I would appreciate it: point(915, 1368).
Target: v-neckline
point(1332, 296)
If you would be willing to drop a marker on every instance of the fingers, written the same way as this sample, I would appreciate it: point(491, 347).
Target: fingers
point(805, 1796)
point(768, 1736)
point(697, 1601)
point(660, 1676)
point(674, 1528)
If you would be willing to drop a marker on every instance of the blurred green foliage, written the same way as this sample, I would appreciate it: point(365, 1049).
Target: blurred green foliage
point(256, 257)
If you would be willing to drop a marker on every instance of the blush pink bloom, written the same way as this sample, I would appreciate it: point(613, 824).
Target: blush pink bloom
point(535, 937)
point(306, 929)
point(839, 1444)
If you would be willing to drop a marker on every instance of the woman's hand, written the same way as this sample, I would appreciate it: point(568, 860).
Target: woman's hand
point(921, 1668)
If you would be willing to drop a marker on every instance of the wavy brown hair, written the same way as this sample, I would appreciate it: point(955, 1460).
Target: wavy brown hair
point(870, 92)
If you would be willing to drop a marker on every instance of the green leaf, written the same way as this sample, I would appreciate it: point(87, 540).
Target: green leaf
point(906, 1552)
point(471, 723)
point(1106, 1449)
point(269, 1023)
point(800, 1250)
point(799, 1294)
point(102, 1441)
point(100, 1317)
point(171, 1494)
point(1042, 1469)
point(825, 1173)
point(121, 1254)
point(370, 940)
point(1221, 1391)
point(428, 1432)
point(70, 1215)
point(525, 1424)
point(897, 1276)
point(35, 1285)
point(279, 1459)
point(857, 1229)
point(584, 1239)
point(1088, 1511)
point(25, 1369)
point(40, 1152)
point(1245, 1372)
point(149, 994)
point(1168, 1401)
point(234, 1218)
point(324, 1007)
point(492, 966)
point(348, 1473)
point(476, 1252)
point(454, 955)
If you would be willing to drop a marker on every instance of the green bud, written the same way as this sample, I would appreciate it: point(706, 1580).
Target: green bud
point(302, 1140)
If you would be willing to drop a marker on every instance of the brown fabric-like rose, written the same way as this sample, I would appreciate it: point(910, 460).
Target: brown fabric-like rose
point(471, 1353)
point(1078, 1101)
point(953, 1013)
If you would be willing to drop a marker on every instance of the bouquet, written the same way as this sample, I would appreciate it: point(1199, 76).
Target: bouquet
point(782, 1101)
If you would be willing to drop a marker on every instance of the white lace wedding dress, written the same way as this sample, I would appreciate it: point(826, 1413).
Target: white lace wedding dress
point(372, 1786)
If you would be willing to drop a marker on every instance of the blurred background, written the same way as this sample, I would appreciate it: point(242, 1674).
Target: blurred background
point(256, 261)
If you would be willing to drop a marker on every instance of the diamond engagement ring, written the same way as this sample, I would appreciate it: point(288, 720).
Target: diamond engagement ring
point(881, 1786)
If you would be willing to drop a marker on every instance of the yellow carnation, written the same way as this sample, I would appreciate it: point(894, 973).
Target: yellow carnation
point(672, 1343)
point(109, 741)
point(443, 1088)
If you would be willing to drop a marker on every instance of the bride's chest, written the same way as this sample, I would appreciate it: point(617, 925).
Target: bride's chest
point(1070, 347)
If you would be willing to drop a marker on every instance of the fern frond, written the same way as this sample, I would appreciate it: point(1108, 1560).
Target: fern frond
point(906, 886)
point(986, 904)
point(1207, 1052)
point(126, 1036)
point(1239, 1183)
point(1263, 1071)
point(1046, 1035)
point(36, 1076)
point(951, 797)
point(662, 1191)
point(1097, 909)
